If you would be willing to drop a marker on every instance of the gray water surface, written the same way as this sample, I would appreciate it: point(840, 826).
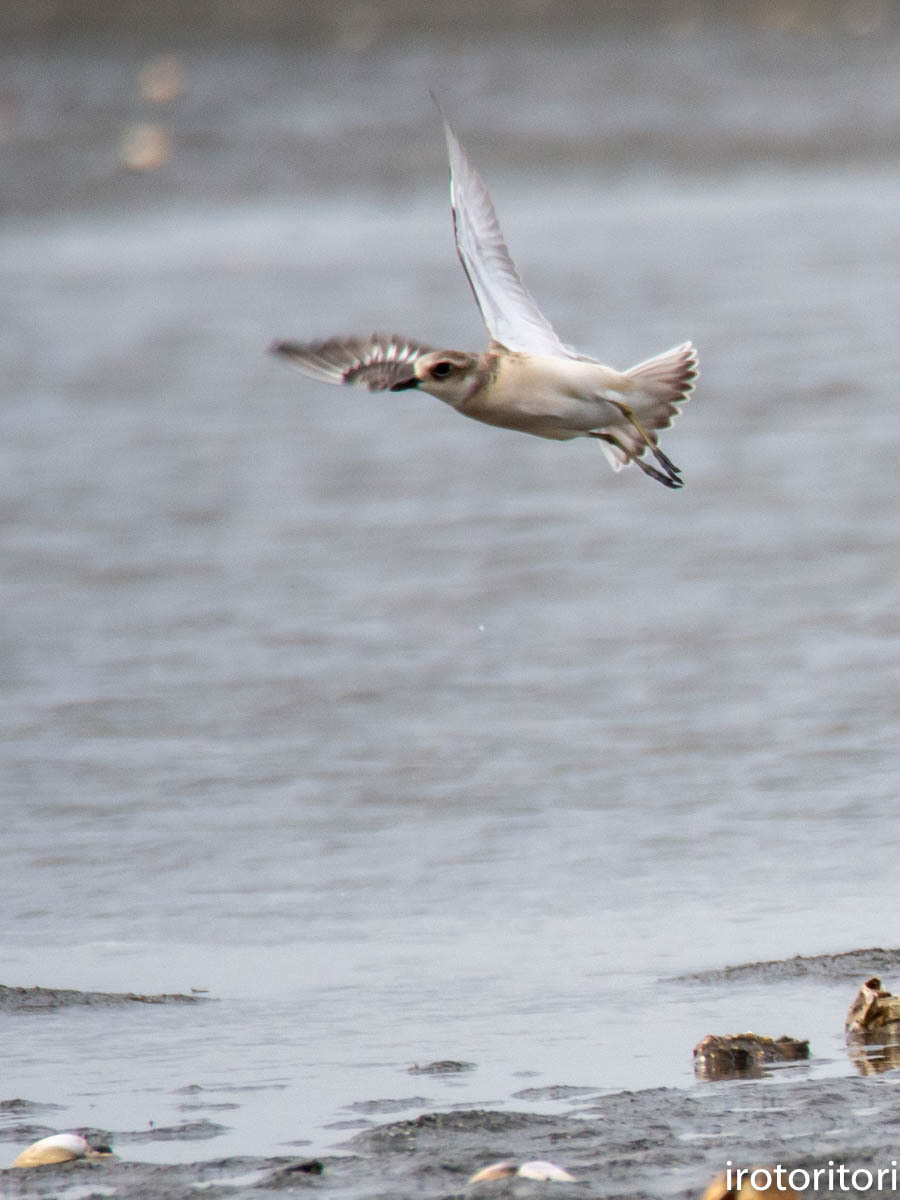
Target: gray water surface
point(408, 738)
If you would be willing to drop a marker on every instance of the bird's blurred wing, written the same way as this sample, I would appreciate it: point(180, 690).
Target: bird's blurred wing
point(375, 363)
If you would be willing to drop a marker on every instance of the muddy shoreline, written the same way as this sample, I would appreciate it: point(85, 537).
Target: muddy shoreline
point(661, 1142)
point(43, 999)
point(652, 1142)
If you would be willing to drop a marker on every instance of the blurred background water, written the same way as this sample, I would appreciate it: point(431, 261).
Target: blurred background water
point(408, 738)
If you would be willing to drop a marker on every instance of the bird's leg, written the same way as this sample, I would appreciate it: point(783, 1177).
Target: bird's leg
point(662, 459)
point(670, 481)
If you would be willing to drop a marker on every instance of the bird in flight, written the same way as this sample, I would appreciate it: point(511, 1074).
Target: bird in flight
point(527, 379)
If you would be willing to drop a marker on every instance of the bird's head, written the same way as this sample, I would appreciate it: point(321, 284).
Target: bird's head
point(451, 375)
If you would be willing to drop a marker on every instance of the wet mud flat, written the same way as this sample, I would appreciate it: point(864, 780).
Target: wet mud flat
point(655, 1142)
point(660, 1142)
point(42, 999)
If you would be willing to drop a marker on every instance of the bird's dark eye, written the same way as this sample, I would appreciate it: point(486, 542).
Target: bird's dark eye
point(441, 370)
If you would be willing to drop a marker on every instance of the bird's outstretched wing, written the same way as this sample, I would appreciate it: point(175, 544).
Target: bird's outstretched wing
point(375, 363)
point(509, 312)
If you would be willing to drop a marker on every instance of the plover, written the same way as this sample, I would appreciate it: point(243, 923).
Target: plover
point(527, 379)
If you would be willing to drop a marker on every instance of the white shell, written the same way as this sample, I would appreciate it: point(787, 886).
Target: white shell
point(498, 1170)
point(59, 1147)
point(546, 1172)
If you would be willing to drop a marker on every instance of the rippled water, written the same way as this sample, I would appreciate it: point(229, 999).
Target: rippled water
point(408, 738)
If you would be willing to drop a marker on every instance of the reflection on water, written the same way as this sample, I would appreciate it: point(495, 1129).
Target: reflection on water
point(410, 739)
point(875, 1057)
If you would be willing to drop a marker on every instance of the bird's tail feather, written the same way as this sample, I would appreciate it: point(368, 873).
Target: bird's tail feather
point(662, 384)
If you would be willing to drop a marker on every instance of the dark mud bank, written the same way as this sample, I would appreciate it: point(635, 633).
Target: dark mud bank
point(664, 1142)
point(41, 999)
point(657, 1142)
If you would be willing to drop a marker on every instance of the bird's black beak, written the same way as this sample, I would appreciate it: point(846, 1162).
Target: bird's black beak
point(404, 384)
